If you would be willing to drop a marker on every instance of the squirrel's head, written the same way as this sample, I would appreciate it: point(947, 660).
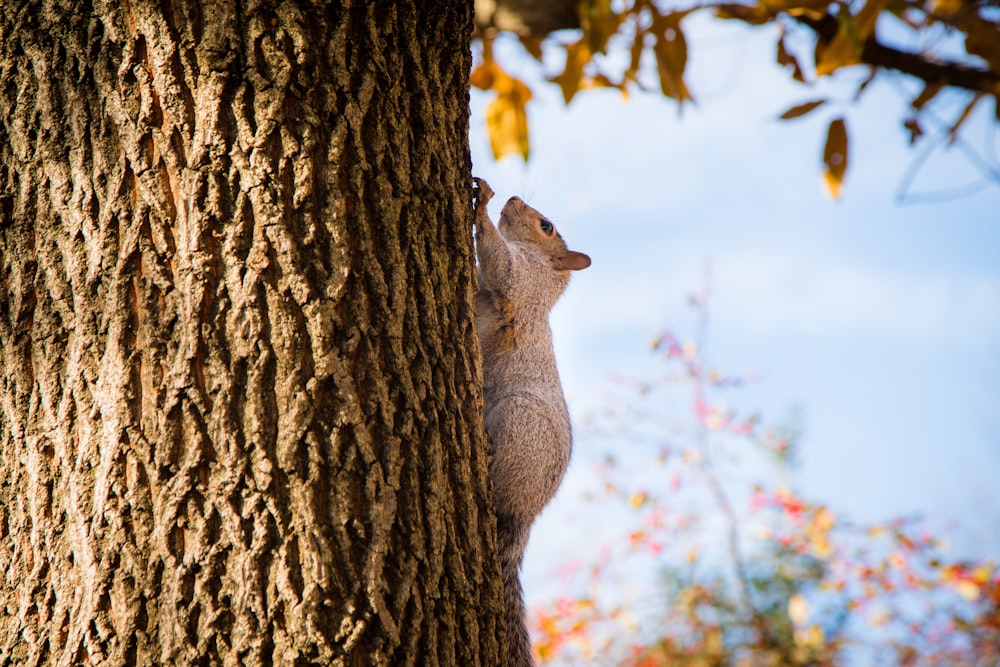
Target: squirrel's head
point(520, 222)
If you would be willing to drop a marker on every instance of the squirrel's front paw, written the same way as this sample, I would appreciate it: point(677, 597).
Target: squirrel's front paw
point(482, 192)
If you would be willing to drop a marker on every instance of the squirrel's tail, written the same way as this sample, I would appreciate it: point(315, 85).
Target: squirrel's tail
point(512, 538)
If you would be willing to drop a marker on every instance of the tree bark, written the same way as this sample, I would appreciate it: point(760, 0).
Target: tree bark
point(241, 411)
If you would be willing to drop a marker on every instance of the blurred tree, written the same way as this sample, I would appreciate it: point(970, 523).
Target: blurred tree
point(959, 50)
point(747, 571)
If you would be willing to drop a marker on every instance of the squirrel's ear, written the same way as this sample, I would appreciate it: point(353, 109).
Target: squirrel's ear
point(571, 261)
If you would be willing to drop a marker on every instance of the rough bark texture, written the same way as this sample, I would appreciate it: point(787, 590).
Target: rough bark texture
point(240, 405)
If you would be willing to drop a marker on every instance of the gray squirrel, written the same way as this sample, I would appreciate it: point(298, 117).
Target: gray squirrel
point(523, 269)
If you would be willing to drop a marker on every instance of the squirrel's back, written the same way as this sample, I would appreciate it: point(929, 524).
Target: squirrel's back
point(523, 269)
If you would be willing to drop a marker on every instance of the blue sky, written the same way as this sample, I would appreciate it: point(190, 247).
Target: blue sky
point(879, 320)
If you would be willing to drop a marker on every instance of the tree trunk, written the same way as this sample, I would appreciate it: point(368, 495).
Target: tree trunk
point(241, 411)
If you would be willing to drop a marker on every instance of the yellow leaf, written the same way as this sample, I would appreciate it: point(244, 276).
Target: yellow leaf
point(824, 519)
point(946, 7)
point(600, 22)
point(577, 57)
point(482, 77)
point(811, 637)
point(845, 47)
point(507, 119)
point(968, 590)
point(982, 573)
point(798, 609)
point(635, 53)
point(638, 500)
point(835, 157)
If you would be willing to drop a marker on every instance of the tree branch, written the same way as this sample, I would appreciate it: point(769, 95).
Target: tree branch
point(876, 54)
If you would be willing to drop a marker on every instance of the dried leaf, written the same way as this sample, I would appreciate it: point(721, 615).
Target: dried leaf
point(752, 14)
point(670, 50)
point(577, 57)
point(599, 23)
point(786, 58)
point(638, 46)
point(482, 77)
point(845, 47)
point(533, 45)
point(981, 40)
point(814, 9)
point(835, 157)
point(507, 118)
point(602, 81)
point(800, 110)
point(946, 7)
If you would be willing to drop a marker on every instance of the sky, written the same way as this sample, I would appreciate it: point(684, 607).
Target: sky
point(876, 318)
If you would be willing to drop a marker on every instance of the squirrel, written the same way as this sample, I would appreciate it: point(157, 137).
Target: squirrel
point(523, 269)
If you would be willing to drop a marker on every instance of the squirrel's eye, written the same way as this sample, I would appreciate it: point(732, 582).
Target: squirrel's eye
point(546, 226)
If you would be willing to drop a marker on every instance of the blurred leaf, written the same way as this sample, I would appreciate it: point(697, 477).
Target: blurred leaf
point(671, 55)
point(801, 109)
point(815, 9)
point(786, 58)
point(798, 609)
point(845, 47)
point(946, 7)
point(602, 81)
point(577, 56)
point(533, 45)
point(968, 590)
point(983, 39)
point(752, 14)
point(482, 76)
point(635, 53)
point(835, 157)
point(506, 117)
point(600, 22)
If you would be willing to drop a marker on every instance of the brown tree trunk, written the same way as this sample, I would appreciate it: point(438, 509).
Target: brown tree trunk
point(240, 409)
